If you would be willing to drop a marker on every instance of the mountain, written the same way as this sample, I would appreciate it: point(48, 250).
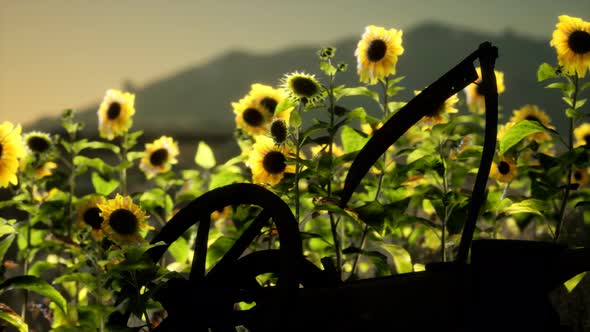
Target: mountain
point(195, 103)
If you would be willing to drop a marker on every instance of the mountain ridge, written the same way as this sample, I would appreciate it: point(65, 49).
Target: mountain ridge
point(197, 100)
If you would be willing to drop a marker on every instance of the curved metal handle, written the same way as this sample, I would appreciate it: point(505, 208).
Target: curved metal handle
point(432, 97)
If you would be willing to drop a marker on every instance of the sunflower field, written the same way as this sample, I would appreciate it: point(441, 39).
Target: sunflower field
point(74, 226)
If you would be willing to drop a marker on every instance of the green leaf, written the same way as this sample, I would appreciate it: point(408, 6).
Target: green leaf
point(360, 91)
point(82, 277)
point(6, 229)
point(580, 103)
point(102, 186)
point(5, 244)
point(574, 114)
point(284, 105)
point(534, 206)
point(352, 140)
point(295, 119)
point(545, 72)
point(401, 258)
point(85, 144)
point(11, 317)
point(372, 213)
point(95, 163)
point(36, 285)
point(39, 267)
point(180, 250)
point(518, 132)
point(573, 282)
point(585, 86)
point(204, 156)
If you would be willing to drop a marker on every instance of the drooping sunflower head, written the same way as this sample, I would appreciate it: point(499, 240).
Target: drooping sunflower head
point(115, 113)
point(123, 221)
point(268, 161)
point(302, 87)
point(474, 93)
point(571, 40)
point(377, 52)
point(11, 151)
point(37, 142)
point(440, 114)
point(88, 215)
point(533, 113)
point(251, 116)
point(266, 97)
point(582, 134)
point(279, 131)
point(159, 156)
point(504, 170)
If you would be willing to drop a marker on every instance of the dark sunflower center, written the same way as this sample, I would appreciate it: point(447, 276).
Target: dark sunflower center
point(303, 86)
point(278, 131)
point(270, 104)
point(587, 139)
point(579, 42)
point(38, 144)
point(159, 157)
point(578, 175)
point(252, 117)
point(504, 168)
point(376, 50)
point(114, 110)
point(123, 222)
point(92, 217)
point(274, 162)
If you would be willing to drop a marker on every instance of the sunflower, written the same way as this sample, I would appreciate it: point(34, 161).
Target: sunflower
point(571, 39)
point(505, 170)
point(279, 130)
point(580, 177)
point(123, 221)
point(302, 87)
point(533, 113)
point(438, 115)
point(582, 134)
point(474, 95)
point(377, 53)
point(159, 156)
point(88, 214)
point(115, 112)
point(251, 116)
point(11, 150)
point(268, 161)
point(37, 142)
point(266, 97)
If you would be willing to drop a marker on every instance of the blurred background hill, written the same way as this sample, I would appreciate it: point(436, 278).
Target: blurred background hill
point(195, 103)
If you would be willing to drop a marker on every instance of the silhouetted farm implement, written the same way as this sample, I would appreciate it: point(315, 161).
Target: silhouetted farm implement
point(492, 285)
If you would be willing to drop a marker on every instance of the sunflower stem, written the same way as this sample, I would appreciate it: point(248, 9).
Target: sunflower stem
point(566, 194)
point(123, 171)
point(443, 227)
point(333, 224)
point(297, 165)
point(379, 181)
point(495, 230)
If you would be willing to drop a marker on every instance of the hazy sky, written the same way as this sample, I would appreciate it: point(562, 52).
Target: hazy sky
point(62, 54)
